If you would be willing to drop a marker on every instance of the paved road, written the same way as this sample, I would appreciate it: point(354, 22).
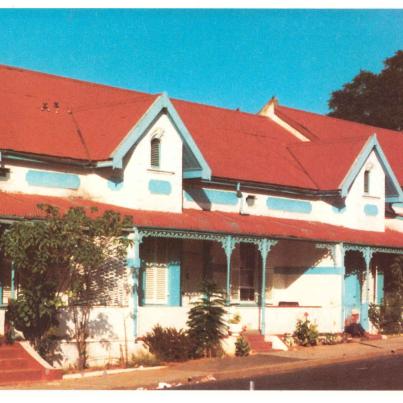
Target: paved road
point(381, 373)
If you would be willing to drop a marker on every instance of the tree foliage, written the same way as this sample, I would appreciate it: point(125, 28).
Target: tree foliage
point(59, 256)
point(374, 99)
point(387, 317)
point(206, 322)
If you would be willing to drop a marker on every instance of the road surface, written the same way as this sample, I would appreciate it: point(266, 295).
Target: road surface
point(380, 373)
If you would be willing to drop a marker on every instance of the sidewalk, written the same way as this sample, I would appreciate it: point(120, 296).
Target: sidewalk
point(231, 367)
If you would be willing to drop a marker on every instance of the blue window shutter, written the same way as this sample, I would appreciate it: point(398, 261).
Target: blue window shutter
point(379, 288)
point(174, 284)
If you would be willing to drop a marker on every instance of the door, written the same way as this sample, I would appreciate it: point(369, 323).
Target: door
point(352, 293)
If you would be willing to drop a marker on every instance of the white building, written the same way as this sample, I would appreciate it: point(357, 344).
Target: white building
point(287, 211)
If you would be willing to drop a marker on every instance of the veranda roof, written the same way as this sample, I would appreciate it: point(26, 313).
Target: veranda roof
point(15, 205)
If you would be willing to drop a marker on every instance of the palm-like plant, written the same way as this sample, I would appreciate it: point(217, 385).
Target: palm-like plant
point(206, 322)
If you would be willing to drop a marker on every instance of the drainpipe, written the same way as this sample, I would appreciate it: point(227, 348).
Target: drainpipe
point(239, 196)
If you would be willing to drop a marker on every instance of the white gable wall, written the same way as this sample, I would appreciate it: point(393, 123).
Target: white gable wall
point(367, 211)
point(144, 187)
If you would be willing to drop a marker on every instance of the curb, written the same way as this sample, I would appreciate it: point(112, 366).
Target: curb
point(91, 374)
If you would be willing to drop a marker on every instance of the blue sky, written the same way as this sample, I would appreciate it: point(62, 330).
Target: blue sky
point(230, 58)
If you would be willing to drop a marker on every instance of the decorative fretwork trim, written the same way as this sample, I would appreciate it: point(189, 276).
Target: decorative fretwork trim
point(331, 247)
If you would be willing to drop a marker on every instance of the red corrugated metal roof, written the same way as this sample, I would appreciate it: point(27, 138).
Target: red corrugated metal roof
point(328, 129)
point(243, 146)
point(23, 205)
point(101, 116)
point(236, 145)
point(327, 163)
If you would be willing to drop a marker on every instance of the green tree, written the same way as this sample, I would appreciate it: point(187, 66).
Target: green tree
point(206, 322)
point(59, 256)
point(393, 300)
point(375, 99)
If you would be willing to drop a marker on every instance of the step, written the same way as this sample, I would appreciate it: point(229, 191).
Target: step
point(11, 352)
point(16, 363)
point(27, 375)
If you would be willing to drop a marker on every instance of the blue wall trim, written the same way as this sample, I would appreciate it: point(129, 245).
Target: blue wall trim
point(212, 196)
point(309, 270)
point(371, 210)
point(115, 184)
point(291, 205)
point(52, 179)
point(159, 187)
point(192, 173)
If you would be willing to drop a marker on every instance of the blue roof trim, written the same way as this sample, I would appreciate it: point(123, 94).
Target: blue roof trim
point(372, 144)
point(137, 132)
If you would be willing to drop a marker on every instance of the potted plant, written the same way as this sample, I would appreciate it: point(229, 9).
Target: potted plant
point(235, 326)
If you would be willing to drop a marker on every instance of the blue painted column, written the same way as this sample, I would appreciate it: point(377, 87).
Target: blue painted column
point(367, 253)
point(264, 248)
point(343, 287)
point(228, 243)
point(134, 263)
point(1, 293)
point(12, 281)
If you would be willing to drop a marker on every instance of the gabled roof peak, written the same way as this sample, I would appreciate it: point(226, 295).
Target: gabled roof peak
point(268, 109)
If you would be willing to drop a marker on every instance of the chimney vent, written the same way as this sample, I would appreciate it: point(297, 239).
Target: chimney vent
point(45, 107)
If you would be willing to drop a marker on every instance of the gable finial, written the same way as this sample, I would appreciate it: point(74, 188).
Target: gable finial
point(268, 109)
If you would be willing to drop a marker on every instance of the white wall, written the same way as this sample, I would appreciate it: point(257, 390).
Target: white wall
point(356, 200)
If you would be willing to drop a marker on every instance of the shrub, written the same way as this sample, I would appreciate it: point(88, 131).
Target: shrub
point(306, 332)
point(376, 315)
point(206, 322)
point(168, 344)
point(242, 348)
point(387, 317)
point(328, 339)
point(144, 359)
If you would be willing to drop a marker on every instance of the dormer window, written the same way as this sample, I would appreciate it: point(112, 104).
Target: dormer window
point(155, 152)
point(367, 181)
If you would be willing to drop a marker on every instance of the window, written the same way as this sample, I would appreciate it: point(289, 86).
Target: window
point(160, 278)
point(366, 181)
point(156, 283)
point(155, 152)
point(247, 272)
